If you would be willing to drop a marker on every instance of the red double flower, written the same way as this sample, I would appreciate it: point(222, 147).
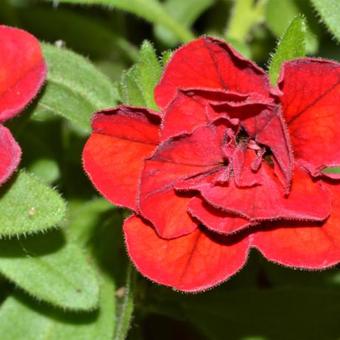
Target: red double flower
point(22, 73)
point(228, 164)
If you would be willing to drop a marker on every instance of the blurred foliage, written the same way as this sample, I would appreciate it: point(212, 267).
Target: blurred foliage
point(63, 265)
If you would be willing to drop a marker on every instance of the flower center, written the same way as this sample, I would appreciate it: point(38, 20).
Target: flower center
point(268, 157)
point(242, 137)
point(263, 153)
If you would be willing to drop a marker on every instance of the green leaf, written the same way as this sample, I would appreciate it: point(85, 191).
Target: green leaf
point(150, 10)
point(291, 46)
point(165, 58)
point(332, 170)
point(186, 12)
point(50, 269)
point(329, 11)
point(126, 306)
point(75, 88)
point(46, 169)
point(28, 206)
point(137, 85)
point(101, 41)
point(129, 90)
point(20, 319)
point(84, 217)
point(279, 14)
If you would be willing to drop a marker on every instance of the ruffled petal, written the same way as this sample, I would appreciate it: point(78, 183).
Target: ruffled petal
point(212, 64)
point(175, 160)
point(304, 245)
point(114, 154)
point(190, 263)
point(243, 161)
point(307, 200)
point(10, 154)
point(216, 219)
point(310, 102)
point(192, 108)
point(22, 70)
point(272, 131)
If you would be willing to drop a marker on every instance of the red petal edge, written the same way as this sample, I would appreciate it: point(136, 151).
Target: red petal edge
point(304, 246)
point(215, 219)
point(211, 64)
point(191, 263)
point(10, 154)
point(22, 69)
point(307, 200)
point(114, 154)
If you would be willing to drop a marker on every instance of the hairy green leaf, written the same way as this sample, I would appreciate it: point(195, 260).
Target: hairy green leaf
point(166, 56)
point(291, 45)
point(329, 11)
point(28, 206)
point(280, 13)
point(186, 12)
point(150, 10)
point(21, 318)
point(50, 269)
point(137, 84)
point(75, 88)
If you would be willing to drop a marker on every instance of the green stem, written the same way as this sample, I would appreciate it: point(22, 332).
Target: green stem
point(127, 306)
point(245, 15)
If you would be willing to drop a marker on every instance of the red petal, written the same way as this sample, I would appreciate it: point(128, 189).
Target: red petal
point(244, 176)
point(272, 132)
point(306, 201)
point(192, 108)
point(114, 154)
point(175, 160)
point(193, 184)
point(190, 263)
point(167, 210)
point(10, 154)
point(210, 63)
point(22, 70)
point(305, 245)
point(215, 219)
point(310, 101)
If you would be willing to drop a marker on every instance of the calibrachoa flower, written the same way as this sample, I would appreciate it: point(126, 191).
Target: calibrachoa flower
point(22, 72)
point(229, 163)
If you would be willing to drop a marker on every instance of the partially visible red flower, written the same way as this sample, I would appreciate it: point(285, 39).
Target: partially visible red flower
point(22, 72)
point(228, 164)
